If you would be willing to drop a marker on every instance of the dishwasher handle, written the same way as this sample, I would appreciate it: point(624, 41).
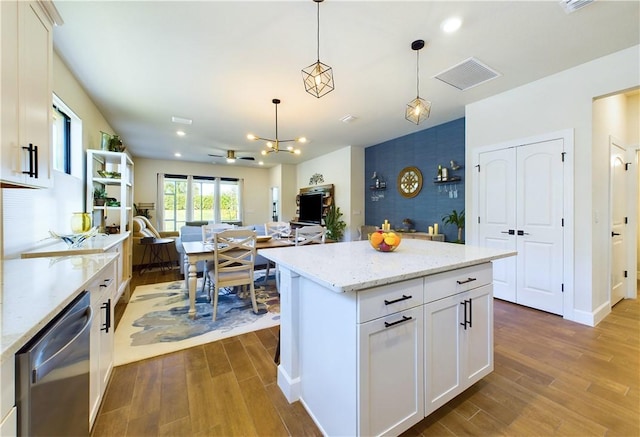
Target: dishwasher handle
point(52, 362)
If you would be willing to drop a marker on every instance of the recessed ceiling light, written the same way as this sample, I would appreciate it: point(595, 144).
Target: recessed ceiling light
point(177, 154)
point(180, 133)
point(181, 120)
point(450, 25)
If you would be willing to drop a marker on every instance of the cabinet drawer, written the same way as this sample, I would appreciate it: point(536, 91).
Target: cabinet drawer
point(446, 284)
point(389, 299)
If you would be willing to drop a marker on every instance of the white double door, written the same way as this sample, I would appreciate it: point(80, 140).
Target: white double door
point(520, 206)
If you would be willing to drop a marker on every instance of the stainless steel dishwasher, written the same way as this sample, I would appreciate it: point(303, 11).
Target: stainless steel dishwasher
point(52, 375)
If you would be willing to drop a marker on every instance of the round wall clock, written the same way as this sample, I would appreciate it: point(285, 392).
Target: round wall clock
point(409, 181)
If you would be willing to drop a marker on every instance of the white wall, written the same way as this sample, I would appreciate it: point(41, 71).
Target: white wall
point(256, 195)
point(343, 168)
point(283, 176)
point(558, 102)
point(28, 214)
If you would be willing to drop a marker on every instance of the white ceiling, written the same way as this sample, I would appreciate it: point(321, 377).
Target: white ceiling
point(220, 63)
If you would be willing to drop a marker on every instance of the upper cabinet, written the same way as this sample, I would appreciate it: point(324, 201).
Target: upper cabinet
point(26, 84)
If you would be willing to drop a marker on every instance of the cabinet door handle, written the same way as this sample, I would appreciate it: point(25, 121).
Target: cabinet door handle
point(404, 319)
point(466, 281)
point(107, 322)
point(470, 314)
point(35, 161)
point(614, 234)
point(464, 324)
point(106, 282)
point(31, 149)
point(400, 299)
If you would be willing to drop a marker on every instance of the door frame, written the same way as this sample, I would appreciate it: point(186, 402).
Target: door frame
point(567, 137)
point(631, 237)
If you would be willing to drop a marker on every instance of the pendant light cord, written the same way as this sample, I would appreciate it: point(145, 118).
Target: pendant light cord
point(417, 73)
point(277, 127)
point(318, 33)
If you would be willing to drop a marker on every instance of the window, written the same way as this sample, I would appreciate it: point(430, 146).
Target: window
point(66, 131)
point(61, 141)
point(200, 198)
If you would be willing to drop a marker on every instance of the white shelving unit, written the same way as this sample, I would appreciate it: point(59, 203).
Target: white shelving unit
point(120, 188)
point(119, 215)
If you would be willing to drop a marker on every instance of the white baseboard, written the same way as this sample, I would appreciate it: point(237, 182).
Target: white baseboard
point(591, 318)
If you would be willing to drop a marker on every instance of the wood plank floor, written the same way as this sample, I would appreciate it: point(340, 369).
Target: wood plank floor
point(552, 377)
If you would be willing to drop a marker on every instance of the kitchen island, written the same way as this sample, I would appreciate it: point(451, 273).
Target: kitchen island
point(373, 342)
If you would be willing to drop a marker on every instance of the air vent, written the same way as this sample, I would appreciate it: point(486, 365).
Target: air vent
point(570, 6)
point(467, 74)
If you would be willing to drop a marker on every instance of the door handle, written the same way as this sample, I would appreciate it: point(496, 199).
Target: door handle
point(613, 234)
point(510, 232)
point(521, 232)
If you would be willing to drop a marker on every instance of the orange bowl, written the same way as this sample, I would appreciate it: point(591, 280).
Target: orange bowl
point(385, 241)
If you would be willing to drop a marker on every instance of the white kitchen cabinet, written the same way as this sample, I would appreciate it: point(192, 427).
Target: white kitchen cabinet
point(103, 291)
point(391, 373)
point(26, 83)
point(458, 335)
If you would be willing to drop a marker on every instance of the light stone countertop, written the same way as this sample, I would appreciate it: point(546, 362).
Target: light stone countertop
point(355, 265)
point(96, 244)
point(35, 290)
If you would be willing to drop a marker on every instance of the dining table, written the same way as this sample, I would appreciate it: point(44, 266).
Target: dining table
point(195, 251)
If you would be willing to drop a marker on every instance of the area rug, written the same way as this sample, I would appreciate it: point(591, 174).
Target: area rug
point(156, 321)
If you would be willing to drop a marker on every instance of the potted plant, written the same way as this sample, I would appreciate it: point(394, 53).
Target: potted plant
point(335, 225)
point(99, 196)
point(457, 219)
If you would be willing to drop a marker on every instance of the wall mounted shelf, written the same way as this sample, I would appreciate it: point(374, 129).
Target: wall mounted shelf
point(448, 180)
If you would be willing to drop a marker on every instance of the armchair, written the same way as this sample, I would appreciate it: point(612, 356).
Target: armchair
point(142, 227)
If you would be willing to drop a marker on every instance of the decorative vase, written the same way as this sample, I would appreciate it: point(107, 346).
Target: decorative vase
point(80, 222)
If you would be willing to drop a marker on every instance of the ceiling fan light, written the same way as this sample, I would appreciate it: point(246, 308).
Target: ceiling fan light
point(264, 153)
point(418, 110)
point(231, 160)
point(297, 152)
point(302, 140)
point(318, 79)
point(252, 137)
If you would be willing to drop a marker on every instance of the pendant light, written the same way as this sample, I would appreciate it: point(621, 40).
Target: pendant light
point(418, 109)
point(273, 146)
point(318, 77)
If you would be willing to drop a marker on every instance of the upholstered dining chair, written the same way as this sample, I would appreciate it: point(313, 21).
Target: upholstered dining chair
point(310, 234)
point(207, 237)
point(233, 262)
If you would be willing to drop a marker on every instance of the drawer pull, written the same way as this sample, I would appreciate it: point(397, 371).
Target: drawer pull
point(400, 299)
point(404, 319)
point(466, 281)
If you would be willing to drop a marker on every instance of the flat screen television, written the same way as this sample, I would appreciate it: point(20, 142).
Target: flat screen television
point(310, 208)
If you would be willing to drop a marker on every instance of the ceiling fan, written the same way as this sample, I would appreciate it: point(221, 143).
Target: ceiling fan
point(231, 156)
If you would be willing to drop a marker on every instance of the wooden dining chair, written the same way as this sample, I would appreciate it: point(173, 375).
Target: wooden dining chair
point(310, 234)
point(207, 237)
point(234, 258)
point(275, 230)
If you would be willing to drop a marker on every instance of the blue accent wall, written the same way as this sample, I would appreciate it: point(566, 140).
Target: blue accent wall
point(425, 150)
